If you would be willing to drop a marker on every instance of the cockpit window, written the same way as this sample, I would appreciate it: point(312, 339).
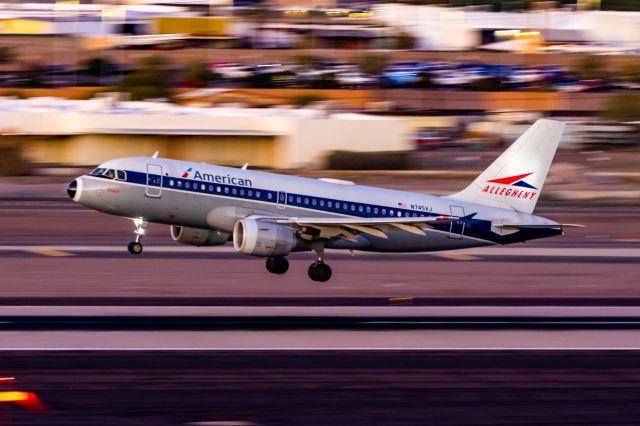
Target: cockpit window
point(121, 175)
point(104, 173)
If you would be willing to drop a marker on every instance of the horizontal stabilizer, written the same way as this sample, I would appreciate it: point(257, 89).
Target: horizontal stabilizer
point(549, 226)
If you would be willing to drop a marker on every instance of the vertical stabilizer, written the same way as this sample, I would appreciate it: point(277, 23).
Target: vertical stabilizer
point(515, 179)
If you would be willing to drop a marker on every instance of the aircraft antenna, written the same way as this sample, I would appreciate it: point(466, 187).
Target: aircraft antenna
point(155, 154)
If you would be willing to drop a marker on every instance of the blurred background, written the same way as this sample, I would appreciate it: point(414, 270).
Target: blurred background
point(418, 95)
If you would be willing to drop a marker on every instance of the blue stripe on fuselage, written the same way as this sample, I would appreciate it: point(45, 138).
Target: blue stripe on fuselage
point(475, 228)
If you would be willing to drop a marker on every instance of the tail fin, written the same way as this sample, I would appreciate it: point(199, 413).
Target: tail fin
point(515, 179)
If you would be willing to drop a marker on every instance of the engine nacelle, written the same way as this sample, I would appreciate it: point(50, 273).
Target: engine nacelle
point(198, 237)
point(258, 238)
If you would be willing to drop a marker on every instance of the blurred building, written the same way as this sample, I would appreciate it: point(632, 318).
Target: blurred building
point(438, 28)
point(54, 131)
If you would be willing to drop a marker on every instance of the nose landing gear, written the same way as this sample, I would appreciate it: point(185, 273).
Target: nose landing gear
point(135, 247)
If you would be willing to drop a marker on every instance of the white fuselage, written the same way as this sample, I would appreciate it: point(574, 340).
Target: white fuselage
point(214, 197)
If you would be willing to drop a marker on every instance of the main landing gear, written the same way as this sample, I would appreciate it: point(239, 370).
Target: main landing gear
point(277, 264)
point(135, 247)
point(319, 271)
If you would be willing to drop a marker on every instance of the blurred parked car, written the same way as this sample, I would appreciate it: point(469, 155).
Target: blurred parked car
point(431, 139)
point(352, 79)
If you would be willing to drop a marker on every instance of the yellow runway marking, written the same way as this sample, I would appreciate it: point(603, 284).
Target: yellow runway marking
point(456, 256)
point(49, 252)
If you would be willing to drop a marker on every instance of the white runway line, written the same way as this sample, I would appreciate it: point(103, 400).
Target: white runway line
point(541, 312)
point(321, 340)
point(513, 251)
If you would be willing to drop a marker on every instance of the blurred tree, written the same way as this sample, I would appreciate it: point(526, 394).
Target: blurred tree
point(12, 162)
point(310, 61)
point(404, 41)
point(371, 63)
point(627, 5)
point(305, 99)
point(325, 81)
point(198, 75)
point(623, 106)
point(97, 67)
point(630, 72)
point(590, 67)
point(7, 55)
point(151, 80)
point(425, 80)
point(30, 76)
point(306, 41)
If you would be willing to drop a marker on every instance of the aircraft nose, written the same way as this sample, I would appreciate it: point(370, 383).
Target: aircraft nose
point(72, 188)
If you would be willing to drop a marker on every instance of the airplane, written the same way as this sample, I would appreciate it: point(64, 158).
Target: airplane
point(270, 215)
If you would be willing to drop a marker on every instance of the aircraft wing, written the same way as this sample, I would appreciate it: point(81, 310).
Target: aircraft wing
point(348, 227)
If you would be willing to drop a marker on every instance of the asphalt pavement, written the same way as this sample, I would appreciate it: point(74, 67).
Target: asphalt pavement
point(242, 388)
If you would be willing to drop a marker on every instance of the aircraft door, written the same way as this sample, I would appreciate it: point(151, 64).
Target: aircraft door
point(282, 199)
point(456, 231)
point(154, 181)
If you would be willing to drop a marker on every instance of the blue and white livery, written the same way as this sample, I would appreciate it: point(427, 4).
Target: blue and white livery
point(271, 215)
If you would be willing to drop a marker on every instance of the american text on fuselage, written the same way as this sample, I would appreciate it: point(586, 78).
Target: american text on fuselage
point(271, 215)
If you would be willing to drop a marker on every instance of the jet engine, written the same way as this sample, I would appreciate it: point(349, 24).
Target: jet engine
point(198, 237)
point(260, 238)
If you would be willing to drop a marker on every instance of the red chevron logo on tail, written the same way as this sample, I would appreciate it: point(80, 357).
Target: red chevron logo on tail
point(510, 179)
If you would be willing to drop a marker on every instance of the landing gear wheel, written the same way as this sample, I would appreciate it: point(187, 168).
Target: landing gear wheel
point(277, 264)
point(135, 247)
point(320, 272)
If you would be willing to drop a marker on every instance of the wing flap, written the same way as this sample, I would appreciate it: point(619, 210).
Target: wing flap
point(347, 227)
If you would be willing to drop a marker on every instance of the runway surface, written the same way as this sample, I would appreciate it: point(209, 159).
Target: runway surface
point(328, 388)
point(540, 333)
point(57, 251)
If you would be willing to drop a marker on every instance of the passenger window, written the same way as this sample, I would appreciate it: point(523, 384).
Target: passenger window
point(306, 201)
point(375, 210)
point(384, 212)
point(321, 203)
point(179, 184)
point(203, 187)
point(313, 201)
point(250, 193)
point(330, 204)
point(242, 192)
point(234, 191)
point(390, 212)
point(353, 207)
point(187, 185)
point(257, 194)
point(171, 182)
point(226, 189)
point(210, 188)
point(359, 208)
point(337, 204)
point(298, 200)
point(218, 189)
point(368, 209)
point(291, 198)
